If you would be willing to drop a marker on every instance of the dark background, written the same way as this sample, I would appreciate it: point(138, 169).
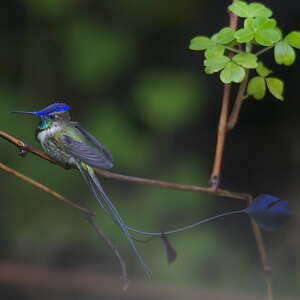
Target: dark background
point(125, 69)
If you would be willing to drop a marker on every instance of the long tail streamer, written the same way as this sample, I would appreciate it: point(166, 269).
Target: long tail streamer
point(98, 192)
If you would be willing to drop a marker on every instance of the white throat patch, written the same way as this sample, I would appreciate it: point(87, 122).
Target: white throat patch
point(45, 134)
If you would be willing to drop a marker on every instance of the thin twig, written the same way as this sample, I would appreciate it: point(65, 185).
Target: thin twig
point(27, 148)
point(138, 180)
point(45, 189)
point(264, 259)
point(108, 242)
point(222, 128)
point(238, 102)
point(174, 186)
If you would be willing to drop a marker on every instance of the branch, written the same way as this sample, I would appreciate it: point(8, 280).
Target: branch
point(238, 102)
point(45, 189)
point(264, 259)
point(241, 95)
point(164, 184)
point(174, 186)
point(222, 128)
point(27, 148)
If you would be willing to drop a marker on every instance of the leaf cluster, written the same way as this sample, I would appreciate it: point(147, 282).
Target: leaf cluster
point(231, 52)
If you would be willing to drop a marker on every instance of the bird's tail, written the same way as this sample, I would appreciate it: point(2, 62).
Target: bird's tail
point(98, 192)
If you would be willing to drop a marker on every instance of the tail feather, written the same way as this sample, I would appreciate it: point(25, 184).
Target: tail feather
point(98, 192)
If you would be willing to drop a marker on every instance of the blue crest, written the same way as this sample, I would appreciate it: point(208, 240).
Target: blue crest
point(52, 108)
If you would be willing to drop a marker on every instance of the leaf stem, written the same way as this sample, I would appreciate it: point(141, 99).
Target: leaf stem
point(264, 50)
point(233, 49)
point(248, 47)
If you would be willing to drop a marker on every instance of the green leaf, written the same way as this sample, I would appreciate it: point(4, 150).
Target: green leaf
point(215, 64)
point(293, 39)
point(246, 60)
point(262, 70)
point(259, 10)
point(244, 35)
point(284, 54)
point(275, 87)
point(267, 37)
point(232, 73)
point(217, 50)
point(224, 36)
point(261, 23)
point(266, 32)
point(257, 87)
point(240, 8)
point(201, 43)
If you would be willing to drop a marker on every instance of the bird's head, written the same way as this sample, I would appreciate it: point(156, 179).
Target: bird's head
point(54, 113)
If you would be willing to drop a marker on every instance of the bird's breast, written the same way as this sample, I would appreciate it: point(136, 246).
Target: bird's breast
point(51, 148)
point(45, 134)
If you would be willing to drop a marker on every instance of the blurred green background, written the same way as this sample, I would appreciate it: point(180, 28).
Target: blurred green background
point(125, 69)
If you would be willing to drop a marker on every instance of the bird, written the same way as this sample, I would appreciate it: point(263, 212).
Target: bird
point(68, 142)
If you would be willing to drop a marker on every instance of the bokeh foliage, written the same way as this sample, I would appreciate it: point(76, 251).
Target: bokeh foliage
point(127, 74)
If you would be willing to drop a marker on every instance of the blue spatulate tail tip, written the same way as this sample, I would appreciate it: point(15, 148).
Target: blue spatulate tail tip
point(269, 212)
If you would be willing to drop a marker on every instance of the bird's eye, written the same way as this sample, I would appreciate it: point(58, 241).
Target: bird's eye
point(53, 117)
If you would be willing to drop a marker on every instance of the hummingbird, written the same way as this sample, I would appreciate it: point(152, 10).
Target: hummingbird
point(67, 142)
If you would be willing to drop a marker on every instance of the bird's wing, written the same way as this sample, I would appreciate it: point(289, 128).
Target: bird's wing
point(85, 153)
point(94, 141)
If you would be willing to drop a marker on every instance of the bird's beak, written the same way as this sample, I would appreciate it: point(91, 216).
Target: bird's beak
point(23, 112)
